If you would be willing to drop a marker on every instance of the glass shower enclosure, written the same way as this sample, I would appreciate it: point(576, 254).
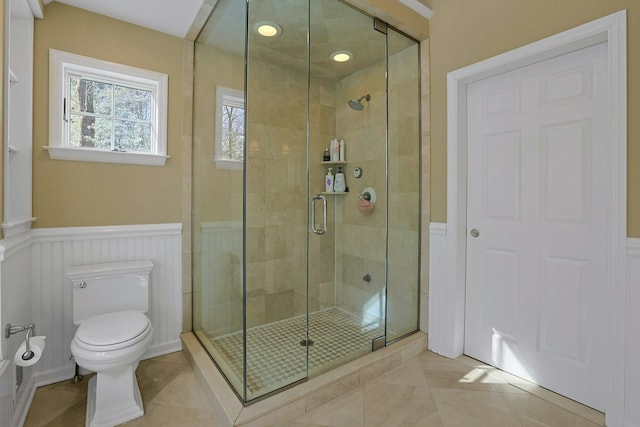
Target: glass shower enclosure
point(291, 280)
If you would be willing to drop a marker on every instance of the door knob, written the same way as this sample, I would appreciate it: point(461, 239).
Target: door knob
point(474, 233)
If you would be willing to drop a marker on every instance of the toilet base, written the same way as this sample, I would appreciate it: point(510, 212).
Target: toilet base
point(113, 398)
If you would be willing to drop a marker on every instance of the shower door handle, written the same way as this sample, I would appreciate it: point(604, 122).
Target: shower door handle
point(324, 214)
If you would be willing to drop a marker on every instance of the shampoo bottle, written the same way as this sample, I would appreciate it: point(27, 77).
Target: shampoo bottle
point(342, 154)
point(329, 182)
point(340, 185)
point(326, 157)
point(332, 150)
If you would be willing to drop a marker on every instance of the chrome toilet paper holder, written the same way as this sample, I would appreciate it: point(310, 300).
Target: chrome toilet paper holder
point(31, 330)
point(11, 330)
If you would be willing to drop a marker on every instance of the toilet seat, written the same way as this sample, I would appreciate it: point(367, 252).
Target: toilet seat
point(112, 331)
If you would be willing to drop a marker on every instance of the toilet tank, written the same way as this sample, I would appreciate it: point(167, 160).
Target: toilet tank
point(105, 288)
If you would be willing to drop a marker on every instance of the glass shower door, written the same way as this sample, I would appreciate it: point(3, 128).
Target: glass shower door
point(347, 274)
point(275, 196)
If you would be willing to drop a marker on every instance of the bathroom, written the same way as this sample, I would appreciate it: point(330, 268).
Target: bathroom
point(155, 219)
point(85, 212)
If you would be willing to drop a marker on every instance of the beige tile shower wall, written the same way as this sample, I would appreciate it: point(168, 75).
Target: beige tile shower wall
point(275, 191)
point(361, 239)
point(277, 180)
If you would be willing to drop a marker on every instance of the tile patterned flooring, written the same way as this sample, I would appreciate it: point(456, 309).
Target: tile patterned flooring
point(275, 357)
point(427, 390)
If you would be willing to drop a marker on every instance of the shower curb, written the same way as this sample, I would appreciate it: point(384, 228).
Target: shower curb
point(302, 398)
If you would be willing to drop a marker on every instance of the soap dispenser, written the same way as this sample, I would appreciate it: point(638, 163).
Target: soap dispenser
point(339, 186)
point(329, 182)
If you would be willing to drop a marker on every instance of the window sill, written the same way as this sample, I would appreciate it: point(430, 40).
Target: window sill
point(228, 164)
point(87, 155)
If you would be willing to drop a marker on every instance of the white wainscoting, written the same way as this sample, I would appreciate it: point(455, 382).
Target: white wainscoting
point(15, 308)
point(632, 386)
point(54, 250)
point(6, 395)
point(437, 285)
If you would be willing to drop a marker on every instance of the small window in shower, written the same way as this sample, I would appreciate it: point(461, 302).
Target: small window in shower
point(229, 149)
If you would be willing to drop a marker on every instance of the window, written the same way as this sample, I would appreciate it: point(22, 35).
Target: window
point(229, 150)
point(106, 112)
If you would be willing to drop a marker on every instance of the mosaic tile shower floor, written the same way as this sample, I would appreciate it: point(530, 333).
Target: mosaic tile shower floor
point(276, 358)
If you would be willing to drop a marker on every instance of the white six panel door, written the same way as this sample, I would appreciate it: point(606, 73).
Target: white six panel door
point(537, 297)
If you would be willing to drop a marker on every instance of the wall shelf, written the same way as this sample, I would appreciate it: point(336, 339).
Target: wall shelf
point(337, 162)
point(18, 98)
point(334, 193)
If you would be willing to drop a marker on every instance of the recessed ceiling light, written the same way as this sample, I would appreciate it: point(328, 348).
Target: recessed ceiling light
point(341, 56)
point(267, 29)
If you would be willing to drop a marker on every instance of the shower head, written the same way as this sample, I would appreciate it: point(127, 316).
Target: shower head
point(357, 104)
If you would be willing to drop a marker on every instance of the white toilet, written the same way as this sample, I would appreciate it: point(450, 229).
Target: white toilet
point(109, 302)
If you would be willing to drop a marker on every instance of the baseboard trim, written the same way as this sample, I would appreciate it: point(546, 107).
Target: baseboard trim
point(162, 349)
point(23, 406)
point(53, 376)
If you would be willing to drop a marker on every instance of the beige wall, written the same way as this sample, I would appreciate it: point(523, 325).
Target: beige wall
point(70, 193)
point(463, 32)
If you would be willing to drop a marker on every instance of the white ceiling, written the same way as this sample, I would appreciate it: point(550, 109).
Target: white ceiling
point(168, 16)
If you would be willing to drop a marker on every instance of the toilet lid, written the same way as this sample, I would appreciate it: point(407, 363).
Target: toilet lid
point(112, 328)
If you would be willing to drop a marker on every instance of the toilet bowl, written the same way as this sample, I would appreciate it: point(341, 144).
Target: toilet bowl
point(112, 336)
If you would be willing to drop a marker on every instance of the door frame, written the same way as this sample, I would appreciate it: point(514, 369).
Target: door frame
point(612, 30)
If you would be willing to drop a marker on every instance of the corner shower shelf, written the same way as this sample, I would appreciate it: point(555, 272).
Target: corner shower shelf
point(334, 193)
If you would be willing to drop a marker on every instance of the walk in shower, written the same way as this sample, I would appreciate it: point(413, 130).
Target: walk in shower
point(290, 280)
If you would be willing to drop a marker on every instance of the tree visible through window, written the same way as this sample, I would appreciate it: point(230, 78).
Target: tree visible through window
point(109, 116)
point(230, 132)
point(102, 111)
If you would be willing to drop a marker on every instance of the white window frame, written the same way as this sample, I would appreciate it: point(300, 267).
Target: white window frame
point(61, 65)
point(225, 95)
